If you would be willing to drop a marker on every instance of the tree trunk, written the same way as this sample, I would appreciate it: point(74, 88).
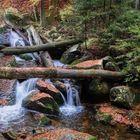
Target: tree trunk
point(137, 4)
point(44, 47)
point(43, 13)
point(46, 59)
point(41, 72)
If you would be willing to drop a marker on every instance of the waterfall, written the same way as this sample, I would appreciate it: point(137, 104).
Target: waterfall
point(72, 102)
point(14, 112)
point(16, 40)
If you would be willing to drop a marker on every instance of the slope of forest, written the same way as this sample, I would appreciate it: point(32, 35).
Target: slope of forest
point(93, 43)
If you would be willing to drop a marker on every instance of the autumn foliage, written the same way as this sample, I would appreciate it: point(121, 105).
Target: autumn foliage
point(27, 5)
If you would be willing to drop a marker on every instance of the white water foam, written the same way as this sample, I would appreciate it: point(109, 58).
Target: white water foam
point(12, 113)
point(72, 104)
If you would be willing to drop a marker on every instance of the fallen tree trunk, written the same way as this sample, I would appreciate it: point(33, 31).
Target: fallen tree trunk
point(37, 48)
point(51, 72)
point(46, 59)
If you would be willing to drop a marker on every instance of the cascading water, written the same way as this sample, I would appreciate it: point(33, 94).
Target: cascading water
point(16, 40)
point(14, 112)
point(72, 103)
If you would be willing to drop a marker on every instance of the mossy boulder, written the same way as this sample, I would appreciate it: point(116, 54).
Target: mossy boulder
point(71, 54)
point(26, 57)
point(110, 64)
point(99, 89)
point(122, 96)
point(41, 102)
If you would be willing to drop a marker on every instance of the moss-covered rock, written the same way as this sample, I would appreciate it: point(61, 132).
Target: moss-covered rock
point(41, 102)
point(99, 89)
point(70, 55)
point(122, 96)
point(25, 57)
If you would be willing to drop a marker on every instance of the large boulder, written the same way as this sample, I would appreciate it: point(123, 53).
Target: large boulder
point(41, 102)
point(48, 88)
point(122, 96)
point(99, 89)
point(71, 54)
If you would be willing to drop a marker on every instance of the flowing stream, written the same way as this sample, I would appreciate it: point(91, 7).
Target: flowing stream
point(13, 113)
point(72, 102)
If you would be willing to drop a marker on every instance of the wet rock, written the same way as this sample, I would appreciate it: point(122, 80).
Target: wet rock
point(122, 96)
point(71, 54)
point(62, 134)
point(41, 102)
point(25, 57)
point(129, 118)
point(61, 86)
point(3, 102)
point(46, 87)
point(99, 89)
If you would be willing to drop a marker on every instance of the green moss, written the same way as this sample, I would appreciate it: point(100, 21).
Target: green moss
point(93, 138)
point(25, 57)
point(104, 117)
point(49, 106)
point(45, 121)
point(75, 62)
point(63, 60)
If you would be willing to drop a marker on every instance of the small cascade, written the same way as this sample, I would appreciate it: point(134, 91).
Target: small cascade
point(72, 103)
point(12, 113)
point(16, 40)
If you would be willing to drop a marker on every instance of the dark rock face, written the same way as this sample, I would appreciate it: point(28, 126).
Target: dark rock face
point(46, 87)
point(99, 89)
point(41, 102)
point(122, 96)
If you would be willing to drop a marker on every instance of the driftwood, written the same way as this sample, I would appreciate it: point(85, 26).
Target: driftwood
point(51, 72)
point(37, 48)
